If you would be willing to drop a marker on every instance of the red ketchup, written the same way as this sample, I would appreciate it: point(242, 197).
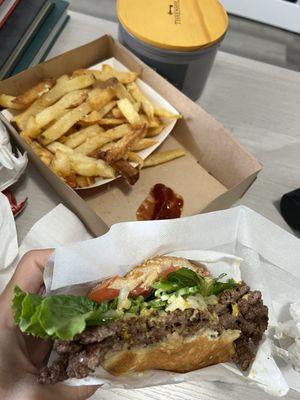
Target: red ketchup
point(161, 203)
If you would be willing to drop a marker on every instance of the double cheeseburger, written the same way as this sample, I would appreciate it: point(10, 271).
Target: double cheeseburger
point(167, 314)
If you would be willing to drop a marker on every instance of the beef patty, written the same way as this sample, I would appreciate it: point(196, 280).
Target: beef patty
point(80, 357)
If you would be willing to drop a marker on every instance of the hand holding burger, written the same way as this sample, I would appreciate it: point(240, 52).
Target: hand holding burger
point(168, 313)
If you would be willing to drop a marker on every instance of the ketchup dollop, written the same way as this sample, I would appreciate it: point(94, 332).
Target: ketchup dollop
point(161, 203)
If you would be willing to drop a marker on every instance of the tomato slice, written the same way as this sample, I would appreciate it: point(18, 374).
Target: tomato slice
point(103, 294)
point(167, 271)
point(141, 291)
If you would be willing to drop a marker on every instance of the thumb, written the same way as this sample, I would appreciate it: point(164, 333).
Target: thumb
point(76, 392)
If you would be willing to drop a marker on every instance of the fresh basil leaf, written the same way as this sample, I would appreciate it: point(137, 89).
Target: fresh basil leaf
point(219, 287)
point(185, 281)
point(184, 277)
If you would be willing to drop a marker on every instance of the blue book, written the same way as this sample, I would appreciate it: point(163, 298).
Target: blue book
point(46, 36)
point(19, 29)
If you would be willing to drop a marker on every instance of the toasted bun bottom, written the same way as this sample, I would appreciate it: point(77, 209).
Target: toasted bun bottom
point(176, 353)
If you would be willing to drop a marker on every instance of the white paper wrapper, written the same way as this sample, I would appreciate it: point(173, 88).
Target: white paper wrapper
point(268, 265)
point(8, 234)
point(11, 166)
point(156, 99)
point(288, 335)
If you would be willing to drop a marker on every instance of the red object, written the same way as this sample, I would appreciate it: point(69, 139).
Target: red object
point(161, 203)
point(7, 7)
point(103, 294)
point(141, 291)
point(168, 271)
point(15, 207)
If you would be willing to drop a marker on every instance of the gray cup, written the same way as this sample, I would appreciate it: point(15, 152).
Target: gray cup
point(187, 70)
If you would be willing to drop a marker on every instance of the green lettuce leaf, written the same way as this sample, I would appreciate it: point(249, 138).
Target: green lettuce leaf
point(18, 298)
point(59, 317)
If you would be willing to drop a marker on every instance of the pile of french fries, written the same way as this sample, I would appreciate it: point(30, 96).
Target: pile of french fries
point(90, 125)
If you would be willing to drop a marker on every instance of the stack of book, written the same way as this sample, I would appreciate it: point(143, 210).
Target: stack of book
point(28, 30)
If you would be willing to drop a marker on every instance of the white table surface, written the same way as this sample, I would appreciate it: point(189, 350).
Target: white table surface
point(258, 103)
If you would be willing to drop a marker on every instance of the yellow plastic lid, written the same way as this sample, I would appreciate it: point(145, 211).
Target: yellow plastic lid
point(179, 25)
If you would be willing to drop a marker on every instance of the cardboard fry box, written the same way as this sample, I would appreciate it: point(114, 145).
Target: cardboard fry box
point(215, 172)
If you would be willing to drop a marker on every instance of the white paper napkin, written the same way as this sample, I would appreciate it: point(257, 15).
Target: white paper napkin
point(288, 335)
point(60, 226)
point(11, 166)
point(8, 234)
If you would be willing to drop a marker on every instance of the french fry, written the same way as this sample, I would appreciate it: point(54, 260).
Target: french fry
point(61, 164)
point(27, 139)
point(108, 72)
point(106, 109)
point(151, 123)
point(96, 116)
point(164, 156)
point(122, 166)
point(45, 155)
point(136, 93)
point(71, 180)
point(121, 148)
point(137, 106)
point(70, 100)
point(98, 97)
point(84, 181)
point(122, 92)
point(77, 138)
point(142, 144)
point(55, 146)
point(88, 166)
point(51, 113)
point(162, 113)
point(81, 164)
point(96, 142)
point(7, 101)
point(116, 113)
point(34, 93)
point(111, 121)
point(134, 157)
point(63, 124)
point(107, 146)
point(63, 86)
point(152, 132)
point(81, 71)
point(128, 111)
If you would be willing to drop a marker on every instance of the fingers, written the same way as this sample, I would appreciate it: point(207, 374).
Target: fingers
point(75, 392)
point(38, 350)
point(29, 272)
point(28, 275)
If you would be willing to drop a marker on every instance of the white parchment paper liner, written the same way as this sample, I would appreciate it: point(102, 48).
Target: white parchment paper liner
point(270, 258)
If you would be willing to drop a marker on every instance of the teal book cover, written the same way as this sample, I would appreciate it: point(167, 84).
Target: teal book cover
point(45, 37)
